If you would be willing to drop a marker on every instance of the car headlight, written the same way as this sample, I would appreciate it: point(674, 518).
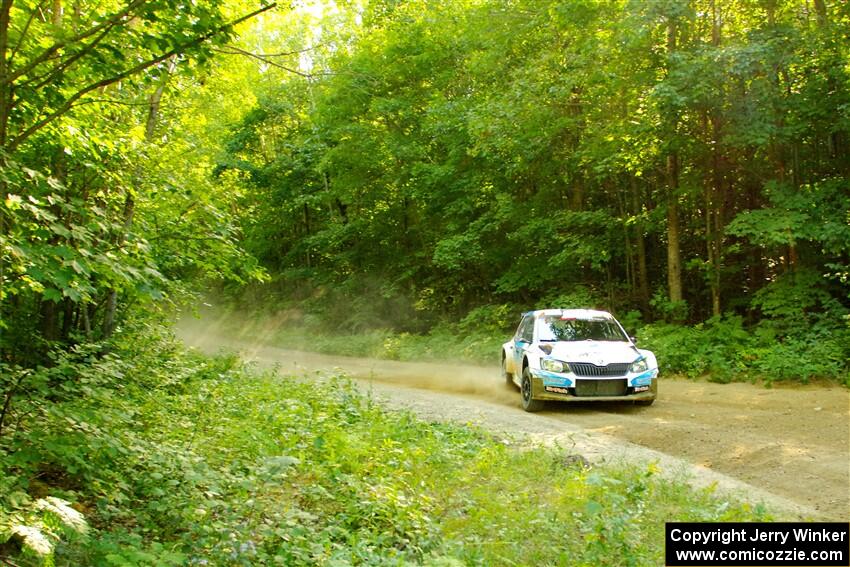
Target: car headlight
point(639, 366)
point(553, 365)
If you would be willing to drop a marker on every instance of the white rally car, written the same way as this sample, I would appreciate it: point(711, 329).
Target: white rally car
point(577, 355)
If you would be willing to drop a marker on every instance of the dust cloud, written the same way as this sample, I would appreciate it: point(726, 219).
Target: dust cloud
point(276, 341)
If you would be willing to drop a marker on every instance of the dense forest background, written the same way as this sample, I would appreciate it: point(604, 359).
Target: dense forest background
point(684, 159)
point(675, 162)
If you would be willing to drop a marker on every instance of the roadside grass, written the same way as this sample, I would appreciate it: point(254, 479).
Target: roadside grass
point(439, 345)
point(178, 459)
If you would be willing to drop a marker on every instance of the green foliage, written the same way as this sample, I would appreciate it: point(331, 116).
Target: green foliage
point(631, 321)
point(57, 246)
point(796, 297)
point(490, 319)
point(579, 297)
point(514, 159)
point(711, 348)
point(815, 354)
point(40, 525)
point(722, 350)
point(668, 310)
point(177, 459)
point(102, 207)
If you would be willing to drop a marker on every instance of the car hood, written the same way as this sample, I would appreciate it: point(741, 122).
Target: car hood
point(600, 353)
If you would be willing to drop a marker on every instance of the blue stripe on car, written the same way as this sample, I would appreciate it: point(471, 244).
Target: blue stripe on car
point(552, 379)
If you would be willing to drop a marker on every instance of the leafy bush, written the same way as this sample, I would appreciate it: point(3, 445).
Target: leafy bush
point(710, 347)
point(666, 309)
point(491, 319)
point(723, 349)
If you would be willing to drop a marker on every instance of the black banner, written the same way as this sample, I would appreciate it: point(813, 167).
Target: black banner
point(761, 544)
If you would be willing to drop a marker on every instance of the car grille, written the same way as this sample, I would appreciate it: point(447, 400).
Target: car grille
point(588, 369)
point(591, 388)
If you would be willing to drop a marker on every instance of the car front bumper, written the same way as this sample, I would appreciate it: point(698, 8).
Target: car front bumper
point(562, 389)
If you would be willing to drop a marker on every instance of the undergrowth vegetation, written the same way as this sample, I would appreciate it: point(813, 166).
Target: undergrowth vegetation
point(146, 454)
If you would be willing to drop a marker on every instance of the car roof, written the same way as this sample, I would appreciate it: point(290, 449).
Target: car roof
point(572, 313)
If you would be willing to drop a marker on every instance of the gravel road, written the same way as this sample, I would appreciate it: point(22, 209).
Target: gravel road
point(788, 446)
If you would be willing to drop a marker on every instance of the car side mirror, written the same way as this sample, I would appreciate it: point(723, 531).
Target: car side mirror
point(634, 340)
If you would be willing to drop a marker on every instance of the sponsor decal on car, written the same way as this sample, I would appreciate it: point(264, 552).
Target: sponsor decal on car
point(557, 390)
point(641, 389)
point(552, 378)
point(645, 379)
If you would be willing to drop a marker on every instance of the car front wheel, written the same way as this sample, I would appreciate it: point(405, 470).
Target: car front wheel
point(528, 402)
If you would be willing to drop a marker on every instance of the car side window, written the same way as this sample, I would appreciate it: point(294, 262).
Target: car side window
point(528, 332)
point(521, 329)
point(518, 333)
point(526, 329)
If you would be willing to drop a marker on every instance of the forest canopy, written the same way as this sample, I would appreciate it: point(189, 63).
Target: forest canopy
point(684, 159)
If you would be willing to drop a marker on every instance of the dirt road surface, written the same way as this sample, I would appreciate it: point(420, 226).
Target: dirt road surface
point(788, 447)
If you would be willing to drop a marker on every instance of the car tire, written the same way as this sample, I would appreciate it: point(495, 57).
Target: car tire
point(507, 376)
point(528, 402)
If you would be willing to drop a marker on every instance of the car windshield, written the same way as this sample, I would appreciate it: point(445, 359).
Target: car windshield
point(558, 329)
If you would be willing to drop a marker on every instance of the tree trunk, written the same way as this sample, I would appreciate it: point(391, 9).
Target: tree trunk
point(716, 200)
point(57, 13)
point(674, 260)
point(49, 321)
point(820, 13)
point(109, 322)
point(577, 195)
point(86, 319)
point(628, 248)
point(640, 244)
point(67, 318)
point(307, 257)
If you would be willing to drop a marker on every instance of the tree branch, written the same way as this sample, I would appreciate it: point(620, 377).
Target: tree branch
point(289, 53)
point(47, 77)
point(5, 82)
point(237, 51)
point(24, 32)
point(48, 53)
point(109, 101)
point(69, 102)
point(231, 50)
point(9, 562)
point(7, 404)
